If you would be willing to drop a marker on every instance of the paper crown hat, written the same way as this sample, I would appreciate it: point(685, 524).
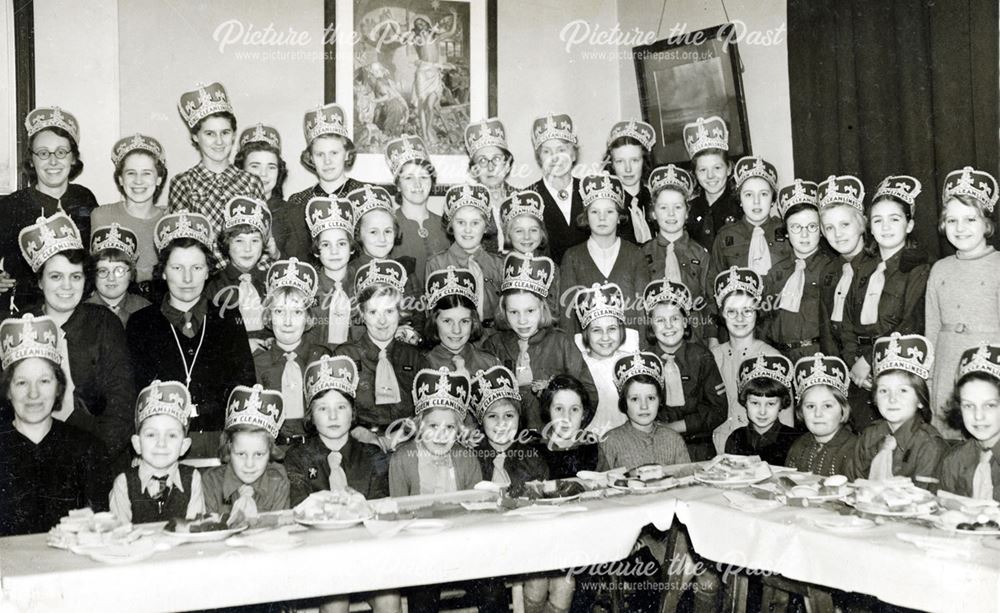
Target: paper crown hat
point(820, 369)
point(256, 407)
point(775, 367)
point(294, 274)
point(598, 301)
point(491, 385)
point(486, 133)
point(633, 128)
point(753, 166)
point(403, 150)
point(911, 352)
point(136, 142)
point(384, 272)
point(527, 272)
point(452, 281)
point(667, 292)
point(902, 187)
point(799, 192)
point(635, 364)
point(183, 224)
point(369, 198)
point(525, 202)
point(735, 280)
point(114, 237)
point(198, 104)
point(601, 187)
point(261, 134)
point(338, 373)
point(163, 398)
point(241, 210)
point(441, 389)
point(671, 177)
point(976, 184)
point(982, 359)
point(458, 196)
point(324, 213)
point(52, 117)
point(29, 337)
point(706, 133)
point(845, 189)
point(47, 237)
point(326, 120)
point(552, 125)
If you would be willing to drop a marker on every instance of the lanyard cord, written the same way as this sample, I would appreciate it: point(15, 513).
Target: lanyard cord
point(188, 371)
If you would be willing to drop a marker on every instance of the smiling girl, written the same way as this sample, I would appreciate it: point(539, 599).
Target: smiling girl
point(717, 203)
point(453, 327)
point(821, 390)
point(331, 224)
point(523, 224)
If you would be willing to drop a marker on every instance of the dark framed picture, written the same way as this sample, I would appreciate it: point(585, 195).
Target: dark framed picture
point(695, 75)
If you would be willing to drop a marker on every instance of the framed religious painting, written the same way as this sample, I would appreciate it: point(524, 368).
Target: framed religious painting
point(680, 79)
point(416, 67)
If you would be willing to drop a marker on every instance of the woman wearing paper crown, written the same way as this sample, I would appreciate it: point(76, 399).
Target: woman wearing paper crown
point(183, 338)
point(490, 164)
point(113, 250)
point(556, 151)
point(99, 386)
point(453, 327)
point(716, 204)
point(888, 292)
point(962, 303)
point(629, 157)
point(527, 341)
point(208, 186)
point(140, 176)
point(49, 467)
point(604, 257)
point(821, 384)
point(51, 162)
point(421, 232)
point(330, 155)
point(523, 224)
point(260, 155)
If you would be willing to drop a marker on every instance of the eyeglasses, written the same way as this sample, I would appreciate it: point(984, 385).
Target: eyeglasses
point(797, 228)
point(60, 153)
point(745, 313)
point(117, 271)
point(492, 162)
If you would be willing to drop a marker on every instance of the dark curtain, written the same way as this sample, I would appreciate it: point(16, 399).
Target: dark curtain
point(894, 87)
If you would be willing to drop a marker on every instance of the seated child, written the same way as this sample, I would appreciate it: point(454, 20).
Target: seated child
point(567, 446)
point(114, 251)
point(765, 390)
point(821, 384)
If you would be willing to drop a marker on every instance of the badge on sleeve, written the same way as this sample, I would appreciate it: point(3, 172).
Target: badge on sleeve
point(313, 473)
point(728, 242)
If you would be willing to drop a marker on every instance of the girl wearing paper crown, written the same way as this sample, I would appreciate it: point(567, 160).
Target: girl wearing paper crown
point(821, 384)
point(113, 250)
point(185, 339)
point(331, 225)
point(971, 468)
point(604, 257)
point(140, 176)
point(963, 291)
point(490, 164)
point(466, 214)
point(51, 162)
point(600, 310)
point(248, 481)
point(260, 155)
point(628, 157)
point(99, 386)
point(737, 296)
point(556, 151)
point(888, 293)
point(523, 223)
point(902, 443)
point(453, 328)
point(673, 254)
point(210, 185)
point(527, 341)
point(765, 390)
point(716, 204)
point(49, 467)
point(421, 233)
point(695, 396)
point(792, 288)
point(386, 366)
point(330, 155)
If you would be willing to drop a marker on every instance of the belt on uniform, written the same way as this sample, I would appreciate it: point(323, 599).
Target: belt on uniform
point(965, 329)
point(809, 342)
point(288, 439)
point(867, 340)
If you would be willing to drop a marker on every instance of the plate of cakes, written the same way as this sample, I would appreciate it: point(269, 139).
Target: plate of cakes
point(206, 527)
point(329, 510)
point(729, 470)
point(553, 491)
point(961, 515)
point(103, 537)
point(895, 497)
point(645, 479)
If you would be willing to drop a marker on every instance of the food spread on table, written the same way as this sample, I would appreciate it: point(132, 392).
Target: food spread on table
point(728, 469)
point(333, 509)
point(897, 496)
point(205, 522)
point(84, 528)
point(553, 489)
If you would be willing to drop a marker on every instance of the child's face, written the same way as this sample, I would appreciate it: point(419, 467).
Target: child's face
point(605, 336)
point(381, 316)
point(454, 327)
point(822, 413)
point(139, 178)
point(602, 218)
point(415, 183)
point(711, 170)
point(627, 163)
point(186, 272)
point(329, 156)
point(670, 211)
point(895, 398)
point(263, 164)
point(964, 226)
point(377, 233)
point(438, 430)
point(668, 326)
point(500, 423)
point(32, 391)
point(524, 313)
point(334, 247)
point(112, 279)
point(468, 226)
point(249, 454)
point(245, 250)
point(288, 318)
point(525, 234)
point(756, 197)
point(62, 284)
point(762, 411)
point(557, 157)
point(843, 228)
point(803, 231)
point(981, 411)
point(740, 312)
point(889, 224)
point(215, 139)
point(332, 414)
point(566, 412)
point(642, 402)
point(161, 441)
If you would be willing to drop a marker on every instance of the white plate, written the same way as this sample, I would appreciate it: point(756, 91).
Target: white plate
point(844, 523)
point(331, 524)
point(553, 501)
point(926, 509)
point(543, 512)
point(135, 551)
point(732, 482)
point(426, 526)
point(952, 529)
point(651, 487)
point(205, 537)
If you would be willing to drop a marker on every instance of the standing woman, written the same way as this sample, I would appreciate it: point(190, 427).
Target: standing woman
point(453, 327)
point(182, 339)
point(51, 162)
point(260, 155)
point(963, 291)
point(490, 164)
point(99, 390)
point(630, 144)
point(707, 142)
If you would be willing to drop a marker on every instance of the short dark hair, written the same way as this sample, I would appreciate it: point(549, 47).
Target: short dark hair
point(648, 380)
point(350, 153)
point(7, 375)
point(180, 243)
point(621, 141)
point(28, 165)
point(314, 246)
point(224, 114)
point(244, 228)
point(768, 388)
point(651, 334)
point(158, 163)
point(80, 257)
point(872, 248)
point(114, 255)
point(564, 382)
point(450, 302)
point(426, 165)
point(953, 416)
point(255, 146)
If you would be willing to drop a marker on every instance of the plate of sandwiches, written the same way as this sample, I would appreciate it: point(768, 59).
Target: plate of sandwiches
point(829, 489)
point(729, 470)
point(895, 497)
point(103, 537)
point(553, 491)
point(206, 527)
point(645, 479)
point(329, 510)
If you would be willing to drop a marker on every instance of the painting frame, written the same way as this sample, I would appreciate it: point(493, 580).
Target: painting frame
point(18, 69)
point(340, 72)
point(697, 74)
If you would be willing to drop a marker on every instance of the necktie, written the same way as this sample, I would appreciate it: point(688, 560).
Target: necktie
point(477, 272)
point(68, 403)
point(639, 224)
point(671, 267)
point(162, 491)
point(672, 381)
point(982, 479)
point(338, 478)
point(882, 463)
point(339, 315)
point(500, 476)
point(188, 328)
point(869, 310)
point(846, 276)
point(524, 375)
point(386, 386)
point(497, 221)
point(791, 295)
point(291, 387)
point(245, 503)
point(459, 362)
point(251, 308)
point(760, 255)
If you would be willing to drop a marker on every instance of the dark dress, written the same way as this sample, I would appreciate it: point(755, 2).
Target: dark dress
point(523, 463)
point(705, 220)
point(772, 446)
point(566, 462)
point(309, 471)
point(562, 235)
point(291, 234)
point(406, 362)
